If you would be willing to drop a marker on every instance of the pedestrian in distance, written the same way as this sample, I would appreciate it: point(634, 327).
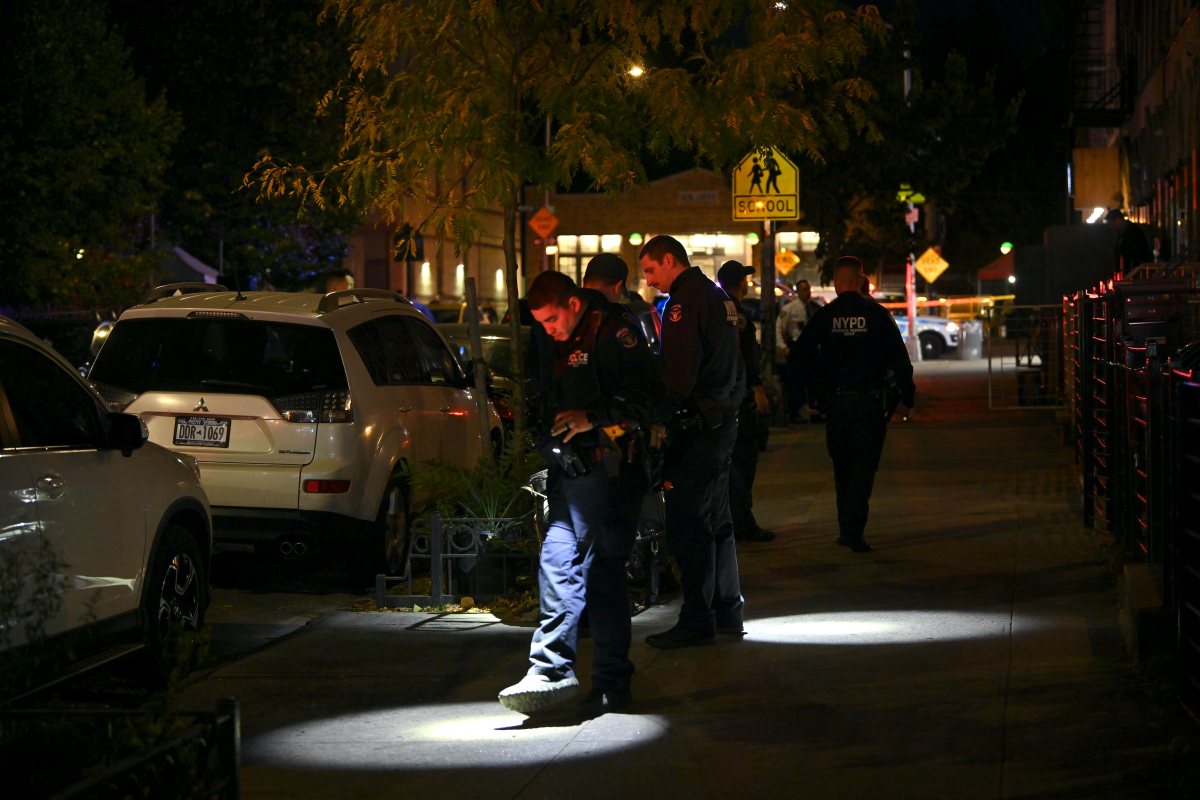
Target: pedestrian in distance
point(792, 319)
point(1131, 248)
point(853, 348)
point(734, 279)
point(704, 378)
point(605, 394)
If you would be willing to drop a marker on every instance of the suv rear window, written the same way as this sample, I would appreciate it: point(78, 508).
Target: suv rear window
point(234, 356)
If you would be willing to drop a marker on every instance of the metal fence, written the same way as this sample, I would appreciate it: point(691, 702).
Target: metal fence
point(1024, 350)
point(132, 754)
point(464, 555)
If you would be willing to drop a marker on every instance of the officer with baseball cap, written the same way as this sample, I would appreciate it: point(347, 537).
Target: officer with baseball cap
point(734, 278)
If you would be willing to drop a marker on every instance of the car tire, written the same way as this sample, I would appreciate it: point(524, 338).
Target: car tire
point(932, 345)
point(174, 601)
point(384, 548)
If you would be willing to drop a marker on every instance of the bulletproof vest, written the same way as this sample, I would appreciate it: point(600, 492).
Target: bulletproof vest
point(578, 385)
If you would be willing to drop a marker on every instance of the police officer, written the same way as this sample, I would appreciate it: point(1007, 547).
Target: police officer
point(607, 389)
point(734, 279)
point(703, 373)
point(862, 370)
point(608, 274)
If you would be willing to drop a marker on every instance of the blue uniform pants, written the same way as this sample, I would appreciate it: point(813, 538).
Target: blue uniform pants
point(591, 528)
point(855, 429)
point(699, 526)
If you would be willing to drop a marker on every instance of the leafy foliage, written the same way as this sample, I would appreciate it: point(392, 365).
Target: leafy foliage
point(936, 140)
point(493, 489)
point(244, 77)
point(82, 157)
point(447, 102)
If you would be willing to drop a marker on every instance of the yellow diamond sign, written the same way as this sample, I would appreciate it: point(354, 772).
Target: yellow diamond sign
point(766, 185)
point(931, 265)
point(785, 260)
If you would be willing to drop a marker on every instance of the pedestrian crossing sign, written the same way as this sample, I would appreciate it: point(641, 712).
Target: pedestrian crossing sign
point(766, 185)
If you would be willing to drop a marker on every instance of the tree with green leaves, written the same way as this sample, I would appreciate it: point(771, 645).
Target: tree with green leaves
point(244, 78)
point(446, 101)
point(935, 135)
point(82, 157)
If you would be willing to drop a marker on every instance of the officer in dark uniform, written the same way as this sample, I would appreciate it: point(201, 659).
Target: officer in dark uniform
point(606, 392)
point(733, 277)
point(703, 373)
point(608, 274)
point(862, 370)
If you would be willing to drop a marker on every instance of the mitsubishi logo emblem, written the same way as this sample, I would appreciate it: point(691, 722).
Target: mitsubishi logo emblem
point(200, 406)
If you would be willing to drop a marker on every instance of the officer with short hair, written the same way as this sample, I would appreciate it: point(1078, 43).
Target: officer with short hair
point(853, 348)
point(704, 376)
point(606, 392)
point(608, 274)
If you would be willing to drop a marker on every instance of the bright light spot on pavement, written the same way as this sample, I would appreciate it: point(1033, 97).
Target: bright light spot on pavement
point(885, 627)
point(415, 737)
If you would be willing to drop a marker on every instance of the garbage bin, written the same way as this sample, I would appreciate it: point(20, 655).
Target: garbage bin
point(970, 339)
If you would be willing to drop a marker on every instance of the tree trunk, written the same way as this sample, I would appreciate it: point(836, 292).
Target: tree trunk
point(514, 313)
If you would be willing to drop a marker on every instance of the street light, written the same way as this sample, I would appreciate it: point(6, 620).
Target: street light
point(636, 71)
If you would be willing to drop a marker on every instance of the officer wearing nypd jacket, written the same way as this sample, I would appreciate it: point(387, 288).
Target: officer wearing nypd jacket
point(862, 370)
point(606, 392)
point(705, 381)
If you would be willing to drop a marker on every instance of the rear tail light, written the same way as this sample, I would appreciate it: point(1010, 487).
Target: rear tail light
point(315, 407)
point(313, 486)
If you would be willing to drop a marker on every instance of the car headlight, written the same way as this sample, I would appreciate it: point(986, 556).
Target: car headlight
point(952, 327)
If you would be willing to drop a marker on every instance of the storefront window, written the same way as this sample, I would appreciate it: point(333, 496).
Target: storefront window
point(575, 251)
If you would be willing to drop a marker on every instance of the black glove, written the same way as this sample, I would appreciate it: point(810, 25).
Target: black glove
point(572, 461)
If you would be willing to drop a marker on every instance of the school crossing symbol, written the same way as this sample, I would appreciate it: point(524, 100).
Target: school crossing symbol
point(766, 185)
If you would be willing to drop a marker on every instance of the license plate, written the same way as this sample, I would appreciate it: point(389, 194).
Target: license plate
point(201, 432)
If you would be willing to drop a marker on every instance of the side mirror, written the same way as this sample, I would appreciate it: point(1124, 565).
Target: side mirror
point(126, 432)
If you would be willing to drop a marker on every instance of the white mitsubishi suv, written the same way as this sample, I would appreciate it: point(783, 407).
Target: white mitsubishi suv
point(308, 413)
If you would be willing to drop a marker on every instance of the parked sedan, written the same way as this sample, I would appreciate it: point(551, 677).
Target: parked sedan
point(104, 539)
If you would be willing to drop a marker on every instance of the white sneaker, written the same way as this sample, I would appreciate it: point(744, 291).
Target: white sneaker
point(537, 692)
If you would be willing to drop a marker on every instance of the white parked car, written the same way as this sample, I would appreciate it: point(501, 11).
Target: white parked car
point(938, 336)
point(104, 540)
point(308, 413)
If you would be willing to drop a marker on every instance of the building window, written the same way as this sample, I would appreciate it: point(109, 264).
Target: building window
point(575, 251)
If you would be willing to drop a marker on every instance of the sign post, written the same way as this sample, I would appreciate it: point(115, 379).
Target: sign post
point(766, 186)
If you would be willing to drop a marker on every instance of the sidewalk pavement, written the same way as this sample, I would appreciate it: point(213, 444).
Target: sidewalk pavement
point(974, 654)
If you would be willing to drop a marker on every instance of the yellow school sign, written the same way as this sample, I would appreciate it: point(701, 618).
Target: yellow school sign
point(766, 185)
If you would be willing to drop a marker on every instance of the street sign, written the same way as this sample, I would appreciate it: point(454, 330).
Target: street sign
point(931, 265)
point(543, 222)
point(766, 185)
point(908, 195)
point(785, 260)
